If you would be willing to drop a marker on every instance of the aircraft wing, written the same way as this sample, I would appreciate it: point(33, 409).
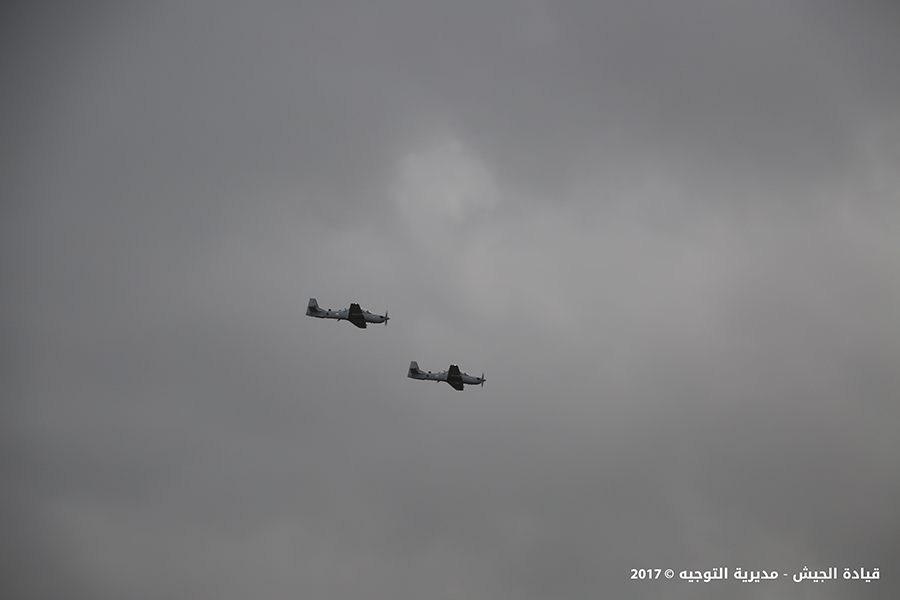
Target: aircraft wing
point(355, 316)
point(454, 377)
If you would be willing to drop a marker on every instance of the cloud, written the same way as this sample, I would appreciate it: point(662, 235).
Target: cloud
point(666, 233)
point(444, 187)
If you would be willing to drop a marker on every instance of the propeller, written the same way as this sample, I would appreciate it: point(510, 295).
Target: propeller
point(482, 380)
point(385, 318)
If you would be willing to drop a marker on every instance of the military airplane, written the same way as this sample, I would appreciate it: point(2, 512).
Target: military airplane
point(454, 377)
point(354, 314)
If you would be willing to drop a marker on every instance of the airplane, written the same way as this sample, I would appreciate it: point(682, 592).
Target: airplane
point(454, 377)
point(354, 314)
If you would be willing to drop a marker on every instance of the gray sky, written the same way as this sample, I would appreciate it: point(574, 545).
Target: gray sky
point(668, 232)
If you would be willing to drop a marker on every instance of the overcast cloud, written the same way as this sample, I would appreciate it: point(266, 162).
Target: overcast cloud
point(668, 233)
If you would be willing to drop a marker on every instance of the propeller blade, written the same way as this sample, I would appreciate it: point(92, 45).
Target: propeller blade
point(385, 318)
point(482, 380)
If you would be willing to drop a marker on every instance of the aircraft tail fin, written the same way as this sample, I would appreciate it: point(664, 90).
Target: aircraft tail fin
point(312, 307)
point(414, 369)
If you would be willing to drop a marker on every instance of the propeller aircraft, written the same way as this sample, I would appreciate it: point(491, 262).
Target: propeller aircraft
point(453, 376)
point(354, 314)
